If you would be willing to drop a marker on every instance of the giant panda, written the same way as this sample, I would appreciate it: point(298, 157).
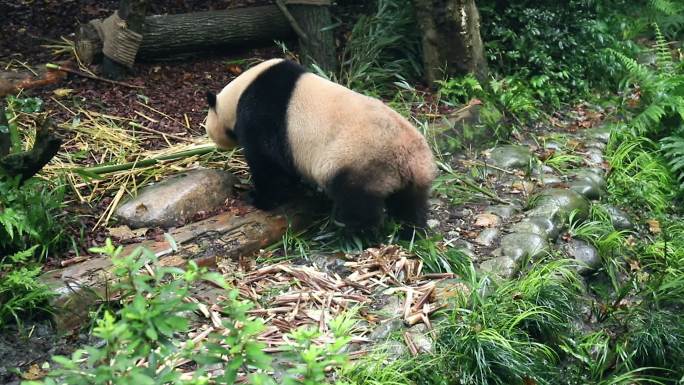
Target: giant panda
point(294, 125)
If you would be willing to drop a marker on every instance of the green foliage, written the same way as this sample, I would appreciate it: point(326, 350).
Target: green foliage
point(636, 161)
point(438, 258)
point(381, 47)
point(29, 215)
point(556, 47)
point(501, 335)
point(20, 291)
point(153, 319)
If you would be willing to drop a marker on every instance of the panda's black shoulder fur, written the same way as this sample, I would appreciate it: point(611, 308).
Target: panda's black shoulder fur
point(261, 129)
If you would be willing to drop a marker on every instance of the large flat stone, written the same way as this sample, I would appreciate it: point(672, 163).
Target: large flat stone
point(178, 199)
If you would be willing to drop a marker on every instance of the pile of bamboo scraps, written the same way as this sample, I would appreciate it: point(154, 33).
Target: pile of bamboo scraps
point(291, 296)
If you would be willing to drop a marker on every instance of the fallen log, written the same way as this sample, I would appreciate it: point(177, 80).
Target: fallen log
point(170, 35)
point(13, 82)
point(80, 285)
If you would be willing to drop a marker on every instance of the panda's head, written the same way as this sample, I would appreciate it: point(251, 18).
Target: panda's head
point(221, 120)
point(222, 113)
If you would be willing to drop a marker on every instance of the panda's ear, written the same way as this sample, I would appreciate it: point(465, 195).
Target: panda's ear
point(211, 99)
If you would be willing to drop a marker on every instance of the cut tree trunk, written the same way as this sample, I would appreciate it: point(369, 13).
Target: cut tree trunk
point(133, 12)
point(452, 44)
point(319, 47)
point(167, 36)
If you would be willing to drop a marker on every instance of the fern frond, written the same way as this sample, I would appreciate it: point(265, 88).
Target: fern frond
point(673, 148)
point(638, 72)
point(663, 56)
point(667, 7)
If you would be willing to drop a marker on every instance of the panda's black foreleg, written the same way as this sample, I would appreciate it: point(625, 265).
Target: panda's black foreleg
point(354, 206)
point(410, 207)
point(272, 184)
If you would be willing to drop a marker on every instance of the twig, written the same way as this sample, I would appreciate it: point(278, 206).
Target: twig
point(85, 75)
point(293, 22)
point(152, 130)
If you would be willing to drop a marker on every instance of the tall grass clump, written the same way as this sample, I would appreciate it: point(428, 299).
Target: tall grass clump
point(382, 48)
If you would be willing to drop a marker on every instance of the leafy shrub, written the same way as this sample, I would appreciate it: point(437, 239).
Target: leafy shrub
point(554, 44)
point(20, 291)
point(149, 325)
point(29, 215)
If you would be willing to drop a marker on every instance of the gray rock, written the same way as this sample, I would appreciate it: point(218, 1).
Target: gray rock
point(393, 306)
point(523, 245)
point(503, 211)
point(537, 225)
point(385, 329)
point(504, 267)
point(594, 156)
point(601, 134)
point(177, 199)
point(511, 156)
point(587, 188)
point(593, 175)
point(487, 236)
point(550, 180)
point(421, 339)
point(584, 253)
point(394, 350)
point(557, 204)
point(329, 263)
point(598, 145)
point(619, 218)
point(553, 146)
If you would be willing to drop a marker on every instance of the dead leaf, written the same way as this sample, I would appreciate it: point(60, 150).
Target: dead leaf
point(234, 69)
point(487, 220)
point(124, 232)
point(653, 226)
point(62, 92)
point(33, 373)
point(546, 154)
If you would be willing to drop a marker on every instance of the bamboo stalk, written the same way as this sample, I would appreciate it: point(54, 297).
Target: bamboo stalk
point(108, 168)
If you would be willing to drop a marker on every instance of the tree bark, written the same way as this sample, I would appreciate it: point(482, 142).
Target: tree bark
point(133, 12)
point(451, 41)
point(169, 35)
point(319, 47)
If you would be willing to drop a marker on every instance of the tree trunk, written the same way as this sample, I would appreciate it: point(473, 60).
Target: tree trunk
point(319, 47)
point(451, 38)
point(133, 12)
point(170, 35)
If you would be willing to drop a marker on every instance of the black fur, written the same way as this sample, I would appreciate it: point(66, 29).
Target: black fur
point(211, 99)
point(354, 206)
point(261, 129)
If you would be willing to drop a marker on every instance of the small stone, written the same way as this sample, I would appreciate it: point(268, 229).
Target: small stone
point(550, 180)
point(619, 218)
point(503, 211)
point(421, 340)
point(393, 306)
point(487, 237)
point(587, 188)
point(602, 134)
point(584, 253)
point(177, 199)
point(385, 329)
point(591, 175)
point(523, 245)
point(511, 156)
point(537, 225)
point(557, 204)
point(432, 223)
point(449, 290)
point(598, 145)
point(393, 349)
point(553, 146)
point(487, 220)
point(329, 263)
point(595, 156)
point(504, 267)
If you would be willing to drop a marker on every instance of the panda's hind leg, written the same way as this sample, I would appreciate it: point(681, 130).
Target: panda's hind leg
point(410, 207)
point(355, 207)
